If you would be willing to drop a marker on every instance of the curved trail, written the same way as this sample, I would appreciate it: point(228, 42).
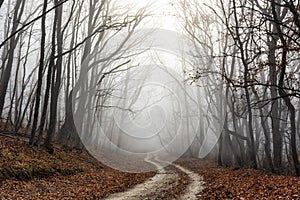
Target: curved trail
point(196, 184)
point(154, 184)
point(162, 180)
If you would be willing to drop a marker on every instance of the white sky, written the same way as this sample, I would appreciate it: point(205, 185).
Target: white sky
point(163, 14)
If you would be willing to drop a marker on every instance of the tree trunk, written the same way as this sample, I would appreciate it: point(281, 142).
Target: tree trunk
point(18, 10)
point(56, 80)
point(283, 93)
point(40, 75)
point(48, 84)
point(275, 115)
point(1, 2)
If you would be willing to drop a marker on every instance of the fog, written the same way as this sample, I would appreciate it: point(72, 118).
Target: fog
point(123, 84)
point(154, 109)
point(138, 79)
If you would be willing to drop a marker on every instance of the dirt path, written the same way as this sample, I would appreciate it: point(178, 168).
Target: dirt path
point(196, 184)
point(154, 184)
point(163, 180)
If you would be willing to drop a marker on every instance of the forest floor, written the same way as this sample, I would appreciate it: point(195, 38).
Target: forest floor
point(28, 172)
point(231, 183)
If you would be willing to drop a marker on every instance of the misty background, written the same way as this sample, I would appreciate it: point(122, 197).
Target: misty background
point(216, 80)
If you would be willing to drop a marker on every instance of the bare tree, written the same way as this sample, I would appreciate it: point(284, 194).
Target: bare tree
point(261, 48)
point(40, 75)
point(283, 94)
point(5, 77)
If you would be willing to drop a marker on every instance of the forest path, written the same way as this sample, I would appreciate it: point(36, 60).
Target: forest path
point(195, 186)
point(165, 179)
